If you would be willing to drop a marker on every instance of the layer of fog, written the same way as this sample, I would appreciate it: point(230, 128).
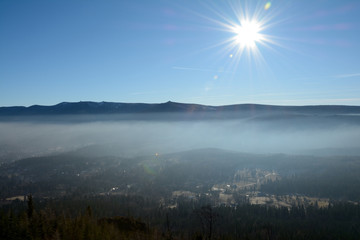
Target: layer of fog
point(140, 137)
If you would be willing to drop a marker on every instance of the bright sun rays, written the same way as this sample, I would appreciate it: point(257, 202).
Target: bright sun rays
point(248, 34)
point(248, 25)
point(248, 31)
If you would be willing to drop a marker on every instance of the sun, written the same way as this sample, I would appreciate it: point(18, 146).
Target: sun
point(247, 26)
point(248, 34)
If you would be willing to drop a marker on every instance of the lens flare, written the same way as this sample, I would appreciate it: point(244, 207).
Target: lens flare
point(267, 6)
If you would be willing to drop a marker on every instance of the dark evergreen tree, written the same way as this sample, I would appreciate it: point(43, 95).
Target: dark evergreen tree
point(30, 206)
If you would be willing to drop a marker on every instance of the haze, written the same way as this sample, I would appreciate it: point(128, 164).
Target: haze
point(150, 134)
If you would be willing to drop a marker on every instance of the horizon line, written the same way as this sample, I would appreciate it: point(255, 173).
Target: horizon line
point(187, 103)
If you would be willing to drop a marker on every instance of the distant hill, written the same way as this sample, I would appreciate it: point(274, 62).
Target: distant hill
point(65, 108)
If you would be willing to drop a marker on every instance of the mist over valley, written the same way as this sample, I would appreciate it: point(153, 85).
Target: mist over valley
point(254, 129)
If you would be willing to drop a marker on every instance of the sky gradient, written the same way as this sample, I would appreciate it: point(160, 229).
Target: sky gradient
point(179, 50)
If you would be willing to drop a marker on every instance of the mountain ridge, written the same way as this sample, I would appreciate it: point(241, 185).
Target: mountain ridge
point(89, 107)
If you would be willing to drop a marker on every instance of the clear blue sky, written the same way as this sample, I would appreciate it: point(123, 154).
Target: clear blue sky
point(155, 51)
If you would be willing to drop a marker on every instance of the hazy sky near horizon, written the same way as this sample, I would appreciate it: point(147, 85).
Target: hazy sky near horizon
point(305, 52)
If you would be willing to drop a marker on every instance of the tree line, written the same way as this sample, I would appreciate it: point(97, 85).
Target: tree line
point(134, 217)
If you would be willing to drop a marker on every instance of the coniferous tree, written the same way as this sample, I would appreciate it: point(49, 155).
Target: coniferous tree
point(30, 206)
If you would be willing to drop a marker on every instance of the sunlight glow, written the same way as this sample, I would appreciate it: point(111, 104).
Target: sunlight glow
point(249, 25)
point(247, 34)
